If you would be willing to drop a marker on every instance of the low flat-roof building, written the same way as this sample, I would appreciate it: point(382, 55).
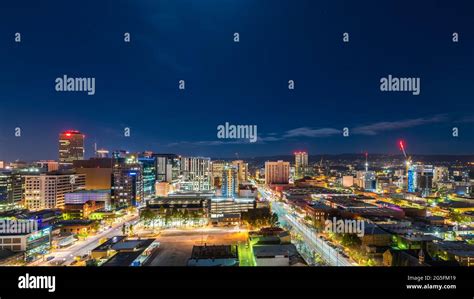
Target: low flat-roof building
point(459, 251)
point(214, 255)
point(132, 252)
point(33, 244)
point(277, 255)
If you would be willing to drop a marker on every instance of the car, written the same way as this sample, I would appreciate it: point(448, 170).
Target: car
point(50, 258)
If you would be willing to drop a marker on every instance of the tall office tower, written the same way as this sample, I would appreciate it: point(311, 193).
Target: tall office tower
point(242, 170)
point(149, 176)
point(277, 172)
point(370, 182)
point(230, 182)
point(167, 167)
point(420, 179)
point(440, 174)
point(71, 146)
point(47, 190)
point(127, 183)
point(217, 170)
point(425, 181)
point(197, 173)
point(411, 178)
point(98, 172)
point(301, 164)
point(10, 189)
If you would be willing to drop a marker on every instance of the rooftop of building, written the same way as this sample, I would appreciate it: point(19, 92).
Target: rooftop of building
point(273, 250)
point(191, 194)
point(7, 253)
point(73, 222)
point(108, 244)
point(419, 237)
point(350, 202)
point(233, 199)
point(214, 252)
point(456, 205)
point(25, 214)
point(95, 191)
point(313, 190)
point(319, 206)
point(122, 259)
point(132, 245)
point(459, 248)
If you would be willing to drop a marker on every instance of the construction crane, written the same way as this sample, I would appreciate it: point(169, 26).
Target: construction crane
point(366, 161)
point(407, 158)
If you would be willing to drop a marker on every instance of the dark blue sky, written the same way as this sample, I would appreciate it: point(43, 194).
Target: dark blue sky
point(337, 84)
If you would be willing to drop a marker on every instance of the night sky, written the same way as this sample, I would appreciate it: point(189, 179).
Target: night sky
point(337, 84)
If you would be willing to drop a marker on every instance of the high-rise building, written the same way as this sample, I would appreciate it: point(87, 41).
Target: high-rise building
point(370, 181)
point(149, 176)
point(277, 172)
point(230, 186)
point(98, 172)
point(47, 190)
point(217, 169)
point(167, 167)
point(242, 171)
point(196, 173)
point(127, 182)
point(10, 189)
point(420, 178)
point(440, 174)
point(301, 164)
point(71, 146)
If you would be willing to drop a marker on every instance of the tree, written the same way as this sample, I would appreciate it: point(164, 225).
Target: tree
point(147, 216)
point(96, 226)
point(92, 263)
point(161, 214)
point(260, 217)
point(168, 216)
point(274, 220)
point(350, 240)
point(457, 217)
point(185, 217)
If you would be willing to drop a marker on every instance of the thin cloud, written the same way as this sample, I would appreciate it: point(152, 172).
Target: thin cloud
point(466, 119)
point(374, 129)
point(208, 143)
point(309, 132)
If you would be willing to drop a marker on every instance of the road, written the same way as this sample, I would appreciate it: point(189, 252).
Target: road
point(329, 254)
point(83, 247)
